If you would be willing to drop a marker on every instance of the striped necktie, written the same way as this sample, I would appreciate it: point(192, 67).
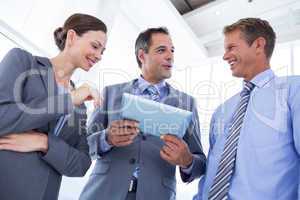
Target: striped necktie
point(220, 187)
point(153, 92)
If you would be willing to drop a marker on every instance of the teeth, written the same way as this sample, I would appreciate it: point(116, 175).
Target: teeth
point(232, 62)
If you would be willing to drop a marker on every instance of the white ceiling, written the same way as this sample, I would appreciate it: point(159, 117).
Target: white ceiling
point(36, 20)
point(196, 35)
point(208, 21)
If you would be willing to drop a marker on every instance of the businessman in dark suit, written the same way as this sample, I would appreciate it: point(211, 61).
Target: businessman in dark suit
point(133, 165)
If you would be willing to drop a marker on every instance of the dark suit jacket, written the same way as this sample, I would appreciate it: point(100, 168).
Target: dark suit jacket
point(113, 170)
point(29, 100)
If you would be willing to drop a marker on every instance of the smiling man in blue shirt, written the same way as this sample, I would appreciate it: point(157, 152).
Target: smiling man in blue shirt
point(254, 136)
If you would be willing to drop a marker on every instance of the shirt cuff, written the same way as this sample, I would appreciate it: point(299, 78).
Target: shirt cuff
point(189, 169)
point(104, 146)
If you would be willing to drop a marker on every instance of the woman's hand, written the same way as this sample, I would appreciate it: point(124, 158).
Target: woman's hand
point(85, 93)
point(29, 141)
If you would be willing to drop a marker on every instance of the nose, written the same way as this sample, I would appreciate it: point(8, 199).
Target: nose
point(170, 55)
point(98, 55)
point(225, 56)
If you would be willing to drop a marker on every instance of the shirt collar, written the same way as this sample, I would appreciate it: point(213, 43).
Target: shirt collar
point(143, 84)
point(262, 78)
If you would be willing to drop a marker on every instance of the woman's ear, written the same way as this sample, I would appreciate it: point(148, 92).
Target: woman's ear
point(71, 37)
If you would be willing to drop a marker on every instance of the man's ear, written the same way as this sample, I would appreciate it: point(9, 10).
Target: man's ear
point(71, 37)
point(141, 56)
point(260, 44)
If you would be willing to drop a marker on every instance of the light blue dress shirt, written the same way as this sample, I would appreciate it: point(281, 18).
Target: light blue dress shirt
point(139, 89)
point(267, 161)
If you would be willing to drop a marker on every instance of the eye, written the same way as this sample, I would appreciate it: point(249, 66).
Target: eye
point(95, 46)
point(160, 50)
point(231, 47)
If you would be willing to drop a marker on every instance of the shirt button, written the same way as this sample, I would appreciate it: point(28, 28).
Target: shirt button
point(132, 161)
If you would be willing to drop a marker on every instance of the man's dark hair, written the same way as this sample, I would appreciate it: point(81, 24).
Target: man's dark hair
point(143, 41)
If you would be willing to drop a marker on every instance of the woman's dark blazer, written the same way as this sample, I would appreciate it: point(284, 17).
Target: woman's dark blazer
point(29, 100)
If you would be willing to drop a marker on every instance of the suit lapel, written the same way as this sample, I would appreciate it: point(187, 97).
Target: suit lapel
point(129, 87)
point(172, 98)
point(117, 98)
point(47, 76)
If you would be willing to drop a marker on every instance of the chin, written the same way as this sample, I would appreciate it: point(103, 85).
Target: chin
point(167, 75)
point(86, 68)
point(236, 74)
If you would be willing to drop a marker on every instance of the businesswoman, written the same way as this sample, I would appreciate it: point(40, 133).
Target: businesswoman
point(42, 115)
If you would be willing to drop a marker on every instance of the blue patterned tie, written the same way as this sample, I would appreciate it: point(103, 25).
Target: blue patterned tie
point(153, 92)
point(220, 187)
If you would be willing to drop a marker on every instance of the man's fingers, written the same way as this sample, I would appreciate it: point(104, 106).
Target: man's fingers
point(8, 146)
point(122, 138)
point(5, 140)
point(167, 150)
point(122, 144)
point(125, 123)
point(123, 141)
point(3, 146)
point(171, 146)
point(124, 131)
point(165, 155)
point(171, 139)
point(10, 136)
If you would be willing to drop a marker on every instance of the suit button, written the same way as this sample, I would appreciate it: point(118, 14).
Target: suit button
point(132, 161)
point(144, 137)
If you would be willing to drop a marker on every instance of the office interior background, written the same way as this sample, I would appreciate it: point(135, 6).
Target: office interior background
point(196, 30)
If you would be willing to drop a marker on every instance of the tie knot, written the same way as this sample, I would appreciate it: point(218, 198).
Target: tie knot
point(248, 87)
point(152, 90)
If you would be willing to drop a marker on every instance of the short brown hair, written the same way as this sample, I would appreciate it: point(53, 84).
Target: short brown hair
point(253, 28)
point(80, 23)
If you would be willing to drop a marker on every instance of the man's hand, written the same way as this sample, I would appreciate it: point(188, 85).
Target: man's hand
point(176, 151)
point(25, 142)
point(122, 132)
